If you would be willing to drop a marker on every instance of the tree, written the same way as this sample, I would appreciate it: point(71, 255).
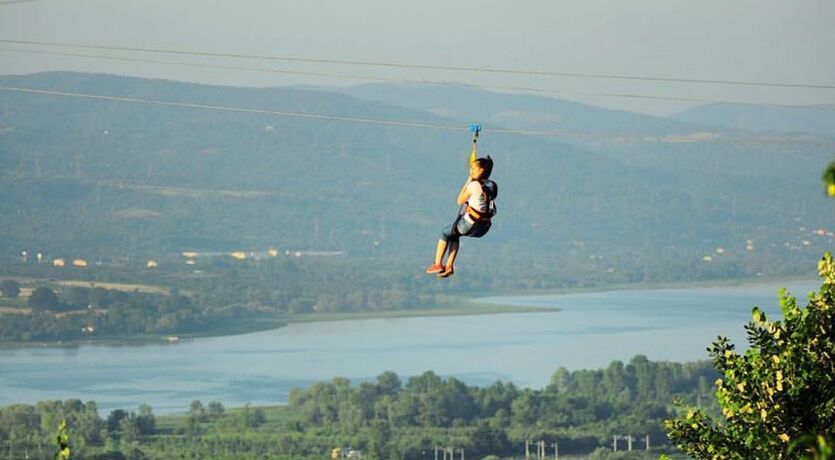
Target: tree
point(252, 418)
point(215, 409)
point(113, 420)
point(197, 410)
point(389, 383)
point(486, 440)
point(44, 299)
point(145, 421)
point(78, 297)
point(829, 179)
point(778, 398)
point(129, 429)
point(10, 288)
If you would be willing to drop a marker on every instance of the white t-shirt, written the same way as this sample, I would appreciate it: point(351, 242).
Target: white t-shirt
point(477, 200)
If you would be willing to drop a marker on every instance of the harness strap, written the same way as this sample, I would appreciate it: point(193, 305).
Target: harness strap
point(477, 216)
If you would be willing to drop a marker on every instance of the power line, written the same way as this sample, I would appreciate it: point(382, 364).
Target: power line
point(317, 116)
point(9, 2)
point(419, 82)
point(429, 67)
point(675, 138)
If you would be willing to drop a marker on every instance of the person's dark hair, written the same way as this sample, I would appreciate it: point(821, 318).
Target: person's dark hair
point(486, 164)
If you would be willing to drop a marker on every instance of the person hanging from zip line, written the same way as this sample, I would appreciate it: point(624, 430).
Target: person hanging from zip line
point(476, 209)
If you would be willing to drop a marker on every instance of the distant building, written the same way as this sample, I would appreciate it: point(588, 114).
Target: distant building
point(151, 264)
point(58, 263)
point(79, 263)
point(240, 255)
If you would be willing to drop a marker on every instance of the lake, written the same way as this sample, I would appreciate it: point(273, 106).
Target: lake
point(590, 331)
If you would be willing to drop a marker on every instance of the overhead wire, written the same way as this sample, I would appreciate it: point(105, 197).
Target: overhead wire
point(224, 108)
point(419, 82)
point(427, 67)
point(9, 2)
point(674, 138)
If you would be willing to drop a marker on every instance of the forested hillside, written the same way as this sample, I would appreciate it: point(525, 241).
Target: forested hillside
point(126, 179)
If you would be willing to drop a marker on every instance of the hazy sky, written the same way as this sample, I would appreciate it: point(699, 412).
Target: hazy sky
point(785, 40)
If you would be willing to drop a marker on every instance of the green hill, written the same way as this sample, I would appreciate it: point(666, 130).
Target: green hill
point(114, 179)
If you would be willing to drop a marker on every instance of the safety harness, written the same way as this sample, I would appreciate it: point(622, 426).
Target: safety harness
point(489, 189)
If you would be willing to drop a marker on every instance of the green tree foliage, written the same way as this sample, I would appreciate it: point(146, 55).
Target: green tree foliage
point(252, 418)
point(10, 288)
point(43, 299)
point(197, 410)
point(116, 314)
point(114, 420)
point(777, 398)
point(829, 179)
point(580, 408)
point(145, 421)
point(384, 417)
point(215, 409)
point(62, 439)
point(128, 429)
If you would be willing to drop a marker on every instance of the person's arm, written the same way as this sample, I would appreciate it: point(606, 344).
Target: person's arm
point(464, 194)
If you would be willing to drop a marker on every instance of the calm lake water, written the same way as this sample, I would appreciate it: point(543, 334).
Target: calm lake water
point(260, 368)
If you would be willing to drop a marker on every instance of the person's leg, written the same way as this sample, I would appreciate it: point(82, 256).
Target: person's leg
point(448, 236)
point(453, 252)
point(439, 252)
point(462, 227)
point(438, 267)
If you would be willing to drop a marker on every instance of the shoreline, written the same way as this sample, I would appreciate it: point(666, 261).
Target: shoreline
point(724, 283)
point(275, 321)
point(470, 307)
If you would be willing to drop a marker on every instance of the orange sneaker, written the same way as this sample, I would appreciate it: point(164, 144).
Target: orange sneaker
point(447, 272)
point(434, 268)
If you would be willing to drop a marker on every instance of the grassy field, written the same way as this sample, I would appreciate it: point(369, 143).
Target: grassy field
point(8, 302)
point(116, 286)
point(275, 415)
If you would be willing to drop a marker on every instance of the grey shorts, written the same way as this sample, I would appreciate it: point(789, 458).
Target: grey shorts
point(462, 226)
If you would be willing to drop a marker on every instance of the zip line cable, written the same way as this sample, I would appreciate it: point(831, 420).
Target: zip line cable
point(426, 67)
point(317, 116)
point(9, 2)
point(681, 138)
point(420, 82)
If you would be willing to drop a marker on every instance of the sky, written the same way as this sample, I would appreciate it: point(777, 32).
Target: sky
point(744, 40)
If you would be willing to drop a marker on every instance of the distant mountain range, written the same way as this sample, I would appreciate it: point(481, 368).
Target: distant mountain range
point(114, 178)
point(819, 121)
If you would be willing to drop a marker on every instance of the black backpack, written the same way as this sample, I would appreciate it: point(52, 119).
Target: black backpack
point(491, 191)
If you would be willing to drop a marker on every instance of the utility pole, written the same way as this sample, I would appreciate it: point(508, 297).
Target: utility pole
point(615, 442)
point(316, 233)
point(540, 448)
point(646, 439)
